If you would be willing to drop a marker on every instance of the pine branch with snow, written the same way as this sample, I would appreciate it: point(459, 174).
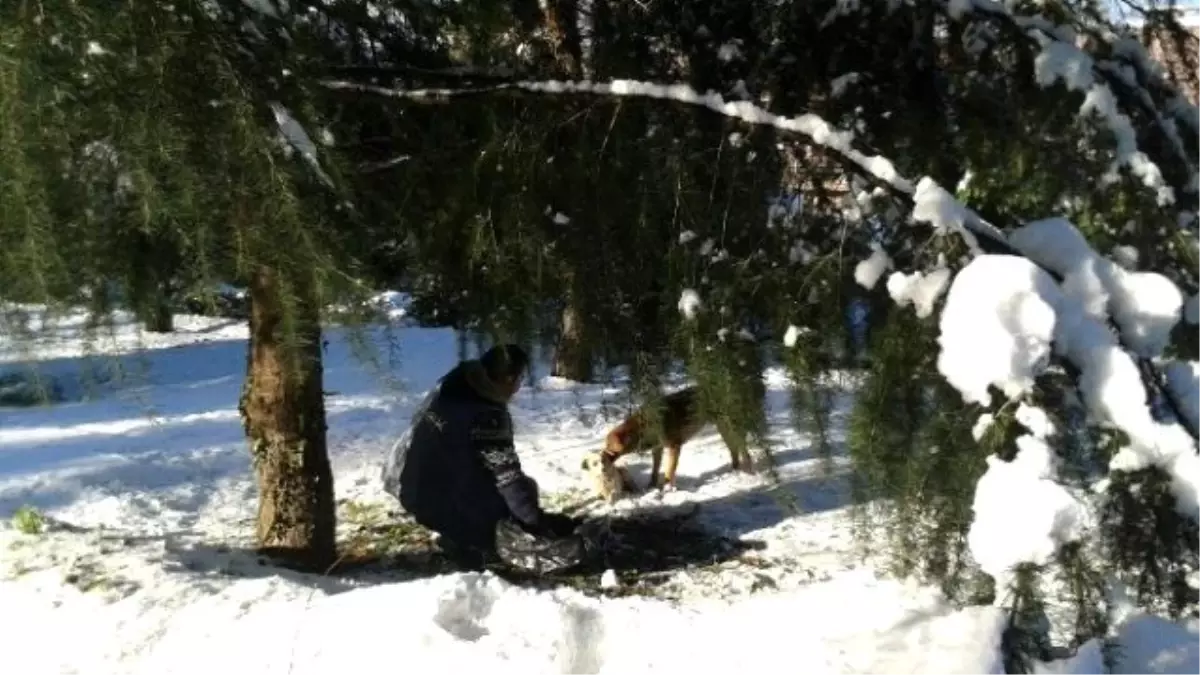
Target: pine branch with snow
point(1006, 318)
point(1011, 316)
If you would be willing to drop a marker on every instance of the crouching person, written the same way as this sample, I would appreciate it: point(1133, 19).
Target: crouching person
point(456, 471)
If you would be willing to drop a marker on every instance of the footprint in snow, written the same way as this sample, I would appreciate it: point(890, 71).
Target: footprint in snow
point(463, 611)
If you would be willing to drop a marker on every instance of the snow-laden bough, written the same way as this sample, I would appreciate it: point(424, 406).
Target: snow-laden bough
point(1005, 316)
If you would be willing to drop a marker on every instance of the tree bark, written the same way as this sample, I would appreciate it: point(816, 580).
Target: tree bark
point(460, 338)
point(157, 260)
point(283, 413)
point(160, 316)
point(572, 357)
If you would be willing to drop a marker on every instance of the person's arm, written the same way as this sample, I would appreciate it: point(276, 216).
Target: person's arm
point(492, 438)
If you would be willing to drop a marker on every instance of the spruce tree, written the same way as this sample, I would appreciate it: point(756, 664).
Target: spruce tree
point(976, 119)
point(182, 128)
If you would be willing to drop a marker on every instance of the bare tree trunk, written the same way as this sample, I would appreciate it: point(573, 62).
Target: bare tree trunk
point(283, 414)
point(150, 285)
point(460, 337)
point(160, 316)
point(572, 357)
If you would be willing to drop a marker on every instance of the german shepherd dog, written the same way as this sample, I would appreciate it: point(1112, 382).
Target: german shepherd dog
point(681, 420)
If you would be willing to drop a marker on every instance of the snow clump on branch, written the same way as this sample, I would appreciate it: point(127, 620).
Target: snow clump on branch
point(1005, 317)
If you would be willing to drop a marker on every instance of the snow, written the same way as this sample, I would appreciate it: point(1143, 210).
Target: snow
point(1183, 379)
point(841, 83)
point(689, 303)
point(982, 425)
point(997, 327)
point(867, 272)
point(267, 7)
point(394, 304)
point(729, 52)
point(609, 579)
point(1145, 305)
point(808, 124)
point(1007, 532)
point(1003, 317)
point(1155, 646)
point(1004, 314)
point(919, 289)
point(1125, 256)
point(792, 335)
point(1133, 70)
point(473, 623)
point(299, 139)
point(934, 205)
point(152, 575)
point(1191, 310)
point(1035, 420)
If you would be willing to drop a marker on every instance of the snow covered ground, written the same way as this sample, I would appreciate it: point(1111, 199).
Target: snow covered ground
point(151, 476)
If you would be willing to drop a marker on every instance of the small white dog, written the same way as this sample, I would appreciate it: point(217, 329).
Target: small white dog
point(609, 481)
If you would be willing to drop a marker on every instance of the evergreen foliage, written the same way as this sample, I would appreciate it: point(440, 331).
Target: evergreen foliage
point(147, 157)
point(145, 193)
point(949, 108)
point(155, 150)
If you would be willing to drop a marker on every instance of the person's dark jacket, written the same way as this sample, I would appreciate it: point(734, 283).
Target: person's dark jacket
point(461, 475)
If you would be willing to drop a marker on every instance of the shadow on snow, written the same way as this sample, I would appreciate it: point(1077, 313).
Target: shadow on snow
point(650, 547)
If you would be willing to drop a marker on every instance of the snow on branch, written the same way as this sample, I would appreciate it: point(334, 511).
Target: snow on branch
point(1107, 85)
point(297, 139)
point(455, 73)
point(1043, 292)
point(813, 126)
point(1090, 345)
point(269, 8)
point(1004, 316)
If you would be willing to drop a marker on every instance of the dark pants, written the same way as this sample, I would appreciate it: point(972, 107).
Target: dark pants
point(518, 549)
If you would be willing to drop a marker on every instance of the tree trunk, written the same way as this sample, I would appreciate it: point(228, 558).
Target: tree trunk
point(460, 337)
point(572, 358)
point(160, 317)
point(283, 414)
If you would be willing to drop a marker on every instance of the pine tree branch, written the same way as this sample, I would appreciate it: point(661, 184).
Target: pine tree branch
point(981, 236)
point(1130, 94)
point(374, 167)
point(400, 72)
